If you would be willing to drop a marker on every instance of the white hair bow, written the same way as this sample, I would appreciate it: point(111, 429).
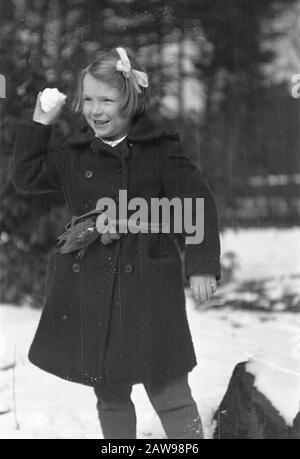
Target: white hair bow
point(124, 65)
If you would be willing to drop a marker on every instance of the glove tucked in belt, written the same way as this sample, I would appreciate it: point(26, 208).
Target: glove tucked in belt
point(82, 231)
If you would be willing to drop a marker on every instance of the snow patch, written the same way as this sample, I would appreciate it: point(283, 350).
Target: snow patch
point(278, 378)
point(263, 253)
point(3, 346)
point(38, 421)
point(5, 407)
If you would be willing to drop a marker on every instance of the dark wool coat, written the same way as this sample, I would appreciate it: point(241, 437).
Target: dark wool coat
point(118, 314)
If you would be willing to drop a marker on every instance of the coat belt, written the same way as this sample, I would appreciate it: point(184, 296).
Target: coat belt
point(83, 230)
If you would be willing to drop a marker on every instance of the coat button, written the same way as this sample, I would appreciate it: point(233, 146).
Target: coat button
point(65, 317)
point(130, 144)
point(128, 269)
point(76, 268)
point(88, 174)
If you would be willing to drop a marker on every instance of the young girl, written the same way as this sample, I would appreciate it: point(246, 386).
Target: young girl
point(115, 316)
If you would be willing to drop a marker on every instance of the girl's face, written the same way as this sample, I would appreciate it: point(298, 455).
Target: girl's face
point(101, 109)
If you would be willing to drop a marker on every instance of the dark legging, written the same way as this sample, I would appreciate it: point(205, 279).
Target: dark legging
point(171, 400)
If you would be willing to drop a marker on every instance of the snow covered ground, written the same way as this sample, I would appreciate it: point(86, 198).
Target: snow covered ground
point(47, 407)
point(263, 253)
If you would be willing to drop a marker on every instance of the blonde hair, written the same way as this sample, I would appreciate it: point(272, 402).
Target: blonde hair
point(133, 103)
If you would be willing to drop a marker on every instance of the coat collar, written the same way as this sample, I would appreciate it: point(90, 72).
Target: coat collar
point(143, 129)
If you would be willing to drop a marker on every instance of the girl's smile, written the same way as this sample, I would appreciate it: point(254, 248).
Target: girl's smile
point(101, 109)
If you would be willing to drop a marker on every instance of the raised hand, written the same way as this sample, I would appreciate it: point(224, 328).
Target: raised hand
point(51, 116)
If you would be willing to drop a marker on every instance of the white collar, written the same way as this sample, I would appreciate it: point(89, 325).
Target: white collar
point(112, 143)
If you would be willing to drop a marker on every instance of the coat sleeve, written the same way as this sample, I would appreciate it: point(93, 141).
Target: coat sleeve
point(36, 167)
point(182, 179)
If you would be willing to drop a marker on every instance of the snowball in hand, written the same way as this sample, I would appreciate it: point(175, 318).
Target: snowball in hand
point(50, 98)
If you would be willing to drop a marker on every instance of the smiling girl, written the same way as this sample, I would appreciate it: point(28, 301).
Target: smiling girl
point(100, 108)
point(116, 316)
